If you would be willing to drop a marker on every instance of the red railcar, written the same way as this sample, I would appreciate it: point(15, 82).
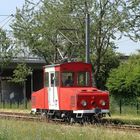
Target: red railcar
point(68, 93)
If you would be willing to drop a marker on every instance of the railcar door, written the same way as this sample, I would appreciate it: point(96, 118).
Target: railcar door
point(52, 92)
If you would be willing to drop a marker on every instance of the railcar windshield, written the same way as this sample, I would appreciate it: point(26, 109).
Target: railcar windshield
point(68, 79)
point(82, 80)
point(73, 79)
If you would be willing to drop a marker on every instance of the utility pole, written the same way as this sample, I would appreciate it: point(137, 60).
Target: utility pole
point(87, 32)
point(87, 39)
point(31, 82)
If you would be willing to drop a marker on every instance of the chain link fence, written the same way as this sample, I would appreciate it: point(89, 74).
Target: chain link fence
point(15, 105)
point(125, 107)
point(116, 107)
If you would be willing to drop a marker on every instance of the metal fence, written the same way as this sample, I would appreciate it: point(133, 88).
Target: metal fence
point(15, 105)
point(125, 107)
point(116, 107)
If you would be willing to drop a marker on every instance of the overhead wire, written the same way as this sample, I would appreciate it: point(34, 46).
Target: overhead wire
point(8, 18)
point(4, 19)
point(6, 15)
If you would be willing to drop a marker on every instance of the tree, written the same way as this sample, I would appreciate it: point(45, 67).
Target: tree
point(110, 61)
point(20, 73)
point(19, 76)
point(55, 26)
point(5, 49)
point(124, 82)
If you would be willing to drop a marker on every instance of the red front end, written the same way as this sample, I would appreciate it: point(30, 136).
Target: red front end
point(93, 101)
point(84, 100)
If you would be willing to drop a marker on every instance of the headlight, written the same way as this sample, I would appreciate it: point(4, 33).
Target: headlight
point(103, 103)
point(84, 103)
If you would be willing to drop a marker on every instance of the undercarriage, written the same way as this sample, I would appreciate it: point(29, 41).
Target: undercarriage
point(70, 117)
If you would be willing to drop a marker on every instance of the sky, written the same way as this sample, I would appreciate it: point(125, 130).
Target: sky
point(8, 7)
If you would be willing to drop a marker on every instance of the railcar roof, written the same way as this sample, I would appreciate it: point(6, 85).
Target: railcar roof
point(68, 63)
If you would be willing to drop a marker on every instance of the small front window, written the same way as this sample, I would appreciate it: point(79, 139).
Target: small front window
point(67, 79)
point(82, 80)
point(46, 79)
point(52, 79)
point(57, 78)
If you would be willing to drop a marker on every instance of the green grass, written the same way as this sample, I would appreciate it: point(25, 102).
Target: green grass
point(16, 110)
point(21, 130)
point(125, 119)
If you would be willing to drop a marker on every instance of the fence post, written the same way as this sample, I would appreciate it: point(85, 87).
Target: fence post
point(26, 104)
point(137, 107)
point(3, 104)
point(10, 104)
point(120, 106)
point(18, 103)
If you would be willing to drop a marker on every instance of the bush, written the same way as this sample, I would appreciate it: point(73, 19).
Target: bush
point(124, 82)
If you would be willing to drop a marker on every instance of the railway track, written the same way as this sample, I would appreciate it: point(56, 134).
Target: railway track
point(123, 127)
point(29, 117)
point(19, 116)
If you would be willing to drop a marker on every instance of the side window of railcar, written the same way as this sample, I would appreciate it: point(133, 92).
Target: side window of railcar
point(56, 78)
point(46, 79)
point(52, 79)
point(67, 79)
point(81, 79)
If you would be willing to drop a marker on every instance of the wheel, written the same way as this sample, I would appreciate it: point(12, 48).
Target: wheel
point(71, 120)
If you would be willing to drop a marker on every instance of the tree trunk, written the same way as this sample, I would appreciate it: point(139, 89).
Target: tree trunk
point(96, 70)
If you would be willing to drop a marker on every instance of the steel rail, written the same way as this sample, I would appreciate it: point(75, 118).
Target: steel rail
point(30, 117)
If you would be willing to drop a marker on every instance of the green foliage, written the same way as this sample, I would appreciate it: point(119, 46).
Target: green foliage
point(124, 82)
point(108, 62)
point(20, 73)
point(5, 49)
